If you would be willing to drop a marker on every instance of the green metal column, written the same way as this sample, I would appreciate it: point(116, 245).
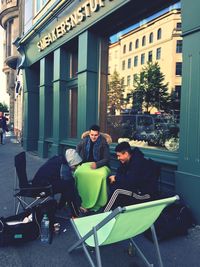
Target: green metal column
point(188, 174)
point(45, 102)
point(31, 108)
point(60, 98)
point(88, 58)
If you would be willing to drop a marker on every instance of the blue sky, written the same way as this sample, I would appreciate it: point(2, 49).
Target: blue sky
point(114, 38)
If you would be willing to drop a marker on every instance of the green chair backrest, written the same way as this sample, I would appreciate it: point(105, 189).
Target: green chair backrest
point(130, 222)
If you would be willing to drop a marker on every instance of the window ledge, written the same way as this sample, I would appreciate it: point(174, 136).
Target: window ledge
point(157, 154)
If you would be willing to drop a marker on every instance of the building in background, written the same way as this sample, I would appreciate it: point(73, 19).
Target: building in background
point(158, 40)
point(4, 96)
point(11, 19)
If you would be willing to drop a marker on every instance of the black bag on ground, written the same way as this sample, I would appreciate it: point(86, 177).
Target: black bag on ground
point(19, 228)
point(175, 220)
point(25, 226)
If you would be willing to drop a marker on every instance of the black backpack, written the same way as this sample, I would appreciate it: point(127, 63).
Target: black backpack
point(175, 220)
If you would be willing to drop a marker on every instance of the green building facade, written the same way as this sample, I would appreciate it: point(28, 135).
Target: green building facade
point(65, 70)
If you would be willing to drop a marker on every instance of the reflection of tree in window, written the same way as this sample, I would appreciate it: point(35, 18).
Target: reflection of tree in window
point(150, 89)
point(128, 80)
point(115, 93)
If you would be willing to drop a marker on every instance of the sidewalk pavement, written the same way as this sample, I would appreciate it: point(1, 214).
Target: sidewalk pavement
point(178, 252)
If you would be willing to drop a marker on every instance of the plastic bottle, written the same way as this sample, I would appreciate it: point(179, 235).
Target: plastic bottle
point(45, 229)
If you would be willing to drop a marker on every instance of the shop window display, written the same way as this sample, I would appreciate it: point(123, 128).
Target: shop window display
point(145, 112)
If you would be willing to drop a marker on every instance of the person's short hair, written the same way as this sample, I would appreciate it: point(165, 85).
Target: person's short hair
point(95, 128)
point(123, 147)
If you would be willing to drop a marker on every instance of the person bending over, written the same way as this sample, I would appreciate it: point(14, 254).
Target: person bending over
point(58, 172)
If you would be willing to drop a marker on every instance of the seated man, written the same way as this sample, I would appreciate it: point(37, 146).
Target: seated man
point(135, 180)
point(57, 171)
point(94, 148)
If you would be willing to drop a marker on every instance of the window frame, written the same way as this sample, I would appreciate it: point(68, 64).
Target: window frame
point(151, 38)
point(159, 34)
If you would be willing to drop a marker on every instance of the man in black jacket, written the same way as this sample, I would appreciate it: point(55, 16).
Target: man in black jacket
point(57, 171)
point(94, 148)
point(135, 180)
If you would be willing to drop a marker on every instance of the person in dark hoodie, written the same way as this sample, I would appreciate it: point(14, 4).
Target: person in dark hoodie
point(135, 180)
point(58, 172)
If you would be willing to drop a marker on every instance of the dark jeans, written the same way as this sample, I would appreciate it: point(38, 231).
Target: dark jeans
point(1, 138)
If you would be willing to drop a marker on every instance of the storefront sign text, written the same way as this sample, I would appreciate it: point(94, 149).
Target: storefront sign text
point(75, 18)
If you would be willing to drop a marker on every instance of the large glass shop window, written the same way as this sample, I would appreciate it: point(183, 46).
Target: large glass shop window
point(143, 106)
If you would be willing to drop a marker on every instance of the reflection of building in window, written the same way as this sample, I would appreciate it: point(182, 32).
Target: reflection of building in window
point(158, 53)
point(167, 45)
point(129, 63)
point(178, 25)
point(158, 39)
point(159, 34)
point(128, 80)
point(137, 43)
point(142, 58)
point(135, 61)
point(178, 91)
point(179, 68)
point(130, 46)
point(150, 56)
point(179, 46)
point(124, 49)
point(151, 38)
point(143, 40)
point(123, 64)
point(134, 77)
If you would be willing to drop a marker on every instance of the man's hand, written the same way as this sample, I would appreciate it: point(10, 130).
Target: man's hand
point(112, 179)
point(93, 165)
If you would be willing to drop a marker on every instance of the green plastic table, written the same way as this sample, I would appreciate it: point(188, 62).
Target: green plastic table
point(91, 185)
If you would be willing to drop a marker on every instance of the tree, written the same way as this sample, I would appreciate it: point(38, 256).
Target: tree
point(149, 88)
point(115, 92)
point(3, 107)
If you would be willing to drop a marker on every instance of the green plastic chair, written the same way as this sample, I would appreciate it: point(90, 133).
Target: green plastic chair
point(120, 224)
